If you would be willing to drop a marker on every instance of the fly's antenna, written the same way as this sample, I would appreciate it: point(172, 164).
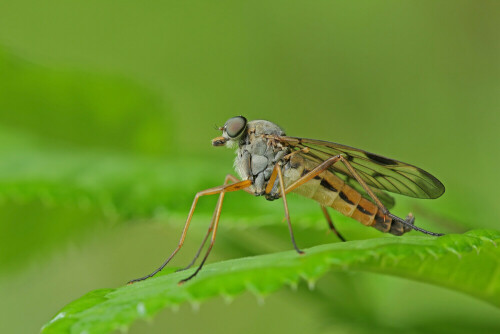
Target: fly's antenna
point(409, 222)
point(216, 127)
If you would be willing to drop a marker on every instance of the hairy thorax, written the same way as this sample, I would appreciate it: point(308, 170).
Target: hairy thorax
point(257, 154)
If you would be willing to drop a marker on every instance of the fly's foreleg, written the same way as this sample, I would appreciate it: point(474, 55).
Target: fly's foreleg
point(212, 191)
point(229, 178)
point(227, 188)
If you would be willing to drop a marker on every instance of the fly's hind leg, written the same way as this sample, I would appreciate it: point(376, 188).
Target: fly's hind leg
point(212, 191)
point(409, 221)
point(330, 223)
point(229, 178)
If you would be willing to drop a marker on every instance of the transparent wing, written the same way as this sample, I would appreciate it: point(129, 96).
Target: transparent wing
point(377, 171)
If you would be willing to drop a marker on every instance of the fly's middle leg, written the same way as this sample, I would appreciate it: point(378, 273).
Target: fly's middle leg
point(277, 173)
point(330, 223)
point(309, 176)
point(285, 203)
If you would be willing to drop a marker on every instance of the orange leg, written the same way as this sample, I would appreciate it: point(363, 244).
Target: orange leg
point(212, 191)
point(409, 219)
point(277, 173)
point(285, 203)
point(364, 185)
point(229, 177)
point(327, 164)
point(318, 170)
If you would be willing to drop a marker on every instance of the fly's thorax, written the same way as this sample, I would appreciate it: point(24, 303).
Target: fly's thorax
point(257, 155)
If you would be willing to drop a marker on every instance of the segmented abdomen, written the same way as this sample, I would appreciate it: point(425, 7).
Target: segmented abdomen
point(331, 191)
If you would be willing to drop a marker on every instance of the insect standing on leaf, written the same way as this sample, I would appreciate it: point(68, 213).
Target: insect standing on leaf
point(347, 179)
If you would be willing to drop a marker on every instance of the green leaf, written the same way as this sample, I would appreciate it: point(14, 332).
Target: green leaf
point(469, 263)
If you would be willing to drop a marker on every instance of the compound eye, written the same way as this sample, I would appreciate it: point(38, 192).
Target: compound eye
point(235, 126)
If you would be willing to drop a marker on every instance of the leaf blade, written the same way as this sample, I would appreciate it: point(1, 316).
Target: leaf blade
point(470, 255)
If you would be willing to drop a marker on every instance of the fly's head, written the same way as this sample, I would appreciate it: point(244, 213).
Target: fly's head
point(232, 132)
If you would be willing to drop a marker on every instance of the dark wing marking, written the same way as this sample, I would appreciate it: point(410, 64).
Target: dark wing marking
point(377, 171)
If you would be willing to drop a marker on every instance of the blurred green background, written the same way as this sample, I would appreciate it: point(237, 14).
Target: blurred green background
point(107, 110)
